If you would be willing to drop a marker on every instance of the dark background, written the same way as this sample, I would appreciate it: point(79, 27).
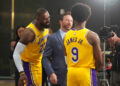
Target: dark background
point(24, 13)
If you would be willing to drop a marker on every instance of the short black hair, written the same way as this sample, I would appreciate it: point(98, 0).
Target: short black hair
point(16, 31)
point(80, 12)
point(66, 13)
point(40, 11)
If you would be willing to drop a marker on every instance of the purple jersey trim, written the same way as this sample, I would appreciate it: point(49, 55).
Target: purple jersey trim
point(94, 80)
point(27, 72)
point(77, 29)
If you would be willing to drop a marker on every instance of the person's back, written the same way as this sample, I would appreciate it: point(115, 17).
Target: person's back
point(80, 58)
point(78, 46)
point(82, 48)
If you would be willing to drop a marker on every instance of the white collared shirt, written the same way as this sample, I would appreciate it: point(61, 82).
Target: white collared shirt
point(62, 33)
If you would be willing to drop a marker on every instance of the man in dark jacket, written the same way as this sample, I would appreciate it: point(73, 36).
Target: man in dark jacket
point(57, 68)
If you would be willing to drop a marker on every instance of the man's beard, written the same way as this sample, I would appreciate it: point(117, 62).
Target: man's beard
point(66, 28)
point(44, 25)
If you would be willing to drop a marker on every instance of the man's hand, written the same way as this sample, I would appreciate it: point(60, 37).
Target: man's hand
point(23, 80)
point(53, 78)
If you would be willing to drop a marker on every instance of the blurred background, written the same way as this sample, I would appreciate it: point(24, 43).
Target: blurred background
point(21, 12)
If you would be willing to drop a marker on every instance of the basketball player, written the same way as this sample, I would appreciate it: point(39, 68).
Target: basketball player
point(82, 48)
point(28, 51)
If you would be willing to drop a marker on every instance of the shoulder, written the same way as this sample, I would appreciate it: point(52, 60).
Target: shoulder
point(27, 36)
point(92, 37)
point(55, 34)
point(29, 33)
point(49, 30)
point(51, 37)
point(69, 32)
point(92, 33)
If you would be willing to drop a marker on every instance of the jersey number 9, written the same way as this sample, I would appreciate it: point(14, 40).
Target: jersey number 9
point(74, 54)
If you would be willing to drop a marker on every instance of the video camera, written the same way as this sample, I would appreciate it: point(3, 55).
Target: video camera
point(106, 32)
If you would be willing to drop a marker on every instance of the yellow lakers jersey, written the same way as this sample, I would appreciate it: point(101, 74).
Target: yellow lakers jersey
point(79, 51)
point(34, 50)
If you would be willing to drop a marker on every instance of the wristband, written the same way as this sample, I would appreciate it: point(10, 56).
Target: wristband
point(22, 73)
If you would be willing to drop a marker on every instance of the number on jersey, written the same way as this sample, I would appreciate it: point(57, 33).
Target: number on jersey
point(74, 54)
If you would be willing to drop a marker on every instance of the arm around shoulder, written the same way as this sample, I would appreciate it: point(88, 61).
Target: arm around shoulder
point(27, 37)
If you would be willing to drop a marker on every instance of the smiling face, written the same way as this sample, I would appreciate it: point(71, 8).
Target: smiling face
point(44, 20)
point(66, 23)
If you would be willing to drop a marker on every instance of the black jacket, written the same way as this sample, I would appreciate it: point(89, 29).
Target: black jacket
point(54, 50)
point(116, 58)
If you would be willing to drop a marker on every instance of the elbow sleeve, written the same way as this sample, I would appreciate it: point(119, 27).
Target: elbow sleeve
point(16, 55)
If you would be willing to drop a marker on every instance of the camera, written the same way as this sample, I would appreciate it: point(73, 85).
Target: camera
point(106, 32)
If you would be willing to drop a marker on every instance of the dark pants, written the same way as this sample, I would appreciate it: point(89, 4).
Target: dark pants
point(55, 85)
point(115, 78)
point(44, 78)
point(16, 77)
point(62, 78)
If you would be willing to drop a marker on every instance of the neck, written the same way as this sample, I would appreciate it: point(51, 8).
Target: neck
point(63, 29)
point(38, 26)
point(80, 25)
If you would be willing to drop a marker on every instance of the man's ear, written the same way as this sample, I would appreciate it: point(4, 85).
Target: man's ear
point(60, 21)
